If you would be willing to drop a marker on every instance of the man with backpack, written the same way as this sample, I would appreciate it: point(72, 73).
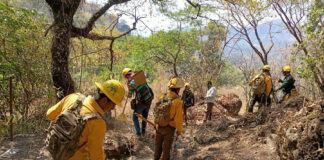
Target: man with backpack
point(77, 129)
point(261, 87)
point(188, 100)
point(168, 117)
point(142, 101)
point(288, 85)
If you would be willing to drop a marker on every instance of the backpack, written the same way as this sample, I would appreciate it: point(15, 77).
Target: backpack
point(64, 134)
point(162, 111)
point(189, 98)
point(259, 86)
point(144, 95)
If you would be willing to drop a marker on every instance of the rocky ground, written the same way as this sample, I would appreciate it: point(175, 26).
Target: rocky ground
point(294, 130)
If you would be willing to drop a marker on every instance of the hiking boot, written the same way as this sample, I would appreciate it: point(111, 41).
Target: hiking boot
point(139, 138)
point(143, 136)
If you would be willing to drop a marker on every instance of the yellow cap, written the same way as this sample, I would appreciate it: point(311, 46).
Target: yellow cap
point(187, 85)
point(266, 67)
point(125, 71)
point(176, 82)
point(287, 69)
point(113, 89)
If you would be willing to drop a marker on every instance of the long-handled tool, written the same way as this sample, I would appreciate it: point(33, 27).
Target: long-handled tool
point(144, 119)
point(122, 116)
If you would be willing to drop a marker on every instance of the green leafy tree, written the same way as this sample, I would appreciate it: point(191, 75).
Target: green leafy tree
point(171, 48)
point(314, 45)
point(24, 56)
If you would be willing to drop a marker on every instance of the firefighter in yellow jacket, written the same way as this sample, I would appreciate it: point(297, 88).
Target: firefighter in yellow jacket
point(109, 94)
point(261, 90)
point(165, 134)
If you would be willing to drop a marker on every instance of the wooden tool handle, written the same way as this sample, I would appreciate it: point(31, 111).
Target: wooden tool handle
point(144, 119)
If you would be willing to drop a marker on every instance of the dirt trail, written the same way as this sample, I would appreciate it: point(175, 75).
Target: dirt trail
point(230, 144)
point(228, 137)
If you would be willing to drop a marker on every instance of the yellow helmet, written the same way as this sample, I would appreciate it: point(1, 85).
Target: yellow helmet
point(176, 82)
point(187, 85)
point(266, 67)
point(125, 71)
point(286, 69)
point(113, 89)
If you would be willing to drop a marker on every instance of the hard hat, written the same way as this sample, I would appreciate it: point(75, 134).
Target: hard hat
point(266, 67)
point(286, 69)
point(176, 82)
point(113, 89)
point(125, 71)
point(187, 85)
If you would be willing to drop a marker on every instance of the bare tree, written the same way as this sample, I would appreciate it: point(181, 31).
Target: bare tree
point(292, 14)
point(246, 65)
point(245, 19)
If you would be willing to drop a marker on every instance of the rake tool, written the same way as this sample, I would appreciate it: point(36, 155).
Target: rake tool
point(122, 116)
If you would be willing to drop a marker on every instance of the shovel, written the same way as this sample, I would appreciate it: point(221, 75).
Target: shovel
point(122, 116)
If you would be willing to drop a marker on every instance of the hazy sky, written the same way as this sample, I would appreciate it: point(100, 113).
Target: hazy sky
point(153, 18)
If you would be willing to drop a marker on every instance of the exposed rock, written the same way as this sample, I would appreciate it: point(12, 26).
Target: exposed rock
point(117, 145)
point(197, 113)
point(208, 157)
point(296, 102)
point(225, 106)
point(212, 132)
point(231, 102)
point(301, 134)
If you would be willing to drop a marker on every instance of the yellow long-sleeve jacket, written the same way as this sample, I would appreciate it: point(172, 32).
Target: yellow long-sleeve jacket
point(175, 111)
point(94, 131)
point(267, 80)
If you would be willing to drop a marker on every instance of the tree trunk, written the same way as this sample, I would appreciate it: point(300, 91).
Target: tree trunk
point(63, 30)
point(175, 68)
point(60, 50)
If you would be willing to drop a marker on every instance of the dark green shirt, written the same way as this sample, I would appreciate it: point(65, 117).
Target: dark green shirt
point(288, 84)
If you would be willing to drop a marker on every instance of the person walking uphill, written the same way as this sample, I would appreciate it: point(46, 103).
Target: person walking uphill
point(188, 100)
point(210, 100)
point(128, 74)
point(168, 117)
point(261, 87)
point(140, 107)
point(288, 85)
point(77, 128)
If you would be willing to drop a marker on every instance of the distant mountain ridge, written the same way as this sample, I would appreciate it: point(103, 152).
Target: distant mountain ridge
point(85, 11)
point(281, 37)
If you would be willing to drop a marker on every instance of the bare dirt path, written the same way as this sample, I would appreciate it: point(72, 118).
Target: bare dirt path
point(213, 140)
